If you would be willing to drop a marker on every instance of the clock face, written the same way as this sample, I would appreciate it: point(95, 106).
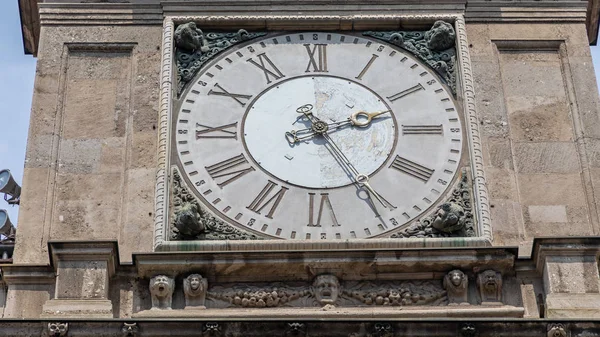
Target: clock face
point(318, 136)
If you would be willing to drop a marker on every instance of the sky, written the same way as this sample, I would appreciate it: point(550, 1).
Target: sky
point(17, 72)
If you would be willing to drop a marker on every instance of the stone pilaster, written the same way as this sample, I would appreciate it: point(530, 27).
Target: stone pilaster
point(569, 268)
point(83, 271)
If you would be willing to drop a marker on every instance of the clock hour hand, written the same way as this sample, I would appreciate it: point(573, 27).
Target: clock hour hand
point(319, 127)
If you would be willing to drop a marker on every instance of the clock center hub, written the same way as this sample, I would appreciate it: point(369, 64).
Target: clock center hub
point(311, 162)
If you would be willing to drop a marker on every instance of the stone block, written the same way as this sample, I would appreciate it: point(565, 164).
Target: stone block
point(79, 155)
point(101, 65)
point(551, 189)
point(480, 45)
point(539, 119)
point(507, 223)
point(26, 300)
point(572, 306)
point(490, 104)
point(87, 220)
point(499, 153)
point(89, 110)
point(532, 74)
point(556, 213)
point(546, 157)
point(143, 150)
point(30, 244)
point(112, 159)
point(501, 184)
point(571, 274)
point(137, 230)
point(82, 280)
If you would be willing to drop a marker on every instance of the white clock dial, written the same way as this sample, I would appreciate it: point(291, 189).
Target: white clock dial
point(263, 136)
point(308, 163)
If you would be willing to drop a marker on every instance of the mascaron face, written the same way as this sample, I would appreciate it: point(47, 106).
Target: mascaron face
point(235, 125)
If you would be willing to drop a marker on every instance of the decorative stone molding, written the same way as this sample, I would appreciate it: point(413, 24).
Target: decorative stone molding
point(130, 330)
point(161, 291)
point(456, 284)
point(192, 218)
point(482, 206)
point(166, 91)
point(489, 284)
point(327, 291)
point(58, 329)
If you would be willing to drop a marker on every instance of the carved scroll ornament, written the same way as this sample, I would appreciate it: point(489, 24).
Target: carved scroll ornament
point(436, 47)
point(190, 221)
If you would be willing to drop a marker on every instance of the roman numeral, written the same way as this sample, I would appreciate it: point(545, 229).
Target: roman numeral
point(411, 168)
point(319, 64)
point(364, 71)
point(219, 131)
point(406, 92)
point(259, 202)
point(422, 129)
point(269, 69)
point(324, 202)
point(236, 97)
point(233, 168)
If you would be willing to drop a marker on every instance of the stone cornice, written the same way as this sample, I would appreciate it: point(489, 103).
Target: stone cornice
point(27, 274)
point(279, 265)
point(84, 251)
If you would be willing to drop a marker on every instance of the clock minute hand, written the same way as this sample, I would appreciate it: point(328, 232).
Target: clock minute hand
point(361, 179)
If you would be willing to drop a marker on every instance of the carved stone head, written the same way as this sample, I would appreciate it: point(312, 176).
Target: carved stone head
point(326, 289)
point(58, 329)
point(455, 283)
point(161, 290)
point(188, 37)
point(194, 288)
point(187, 220)
point(490, 286)
point(449, 218)
point(441, 36)
point(130, 330)
point(556, 330)
point(468, 330)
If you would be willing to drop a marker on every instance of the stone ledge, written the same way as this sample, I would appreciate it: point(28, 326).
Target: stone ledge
point(302, 264)
point(74, 308)
point(579, 306)
point(307, 245)
point(341, 313)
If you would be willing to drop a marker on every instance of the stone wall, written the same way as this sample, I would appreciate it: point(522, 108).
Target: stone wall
point(91, 156)
point(537, 100)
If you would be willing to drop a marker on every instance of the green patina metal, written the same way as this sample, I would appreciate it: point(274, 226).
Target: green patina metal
point(436, 47)
point(194, 48)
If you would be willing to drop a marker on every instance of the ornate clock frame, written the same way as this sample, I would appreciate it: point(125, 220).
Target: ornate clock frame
point(464, 91)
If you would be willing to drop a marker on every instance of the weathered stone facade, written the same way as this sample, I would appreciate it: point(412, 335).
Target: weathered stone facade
point(105, 248)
